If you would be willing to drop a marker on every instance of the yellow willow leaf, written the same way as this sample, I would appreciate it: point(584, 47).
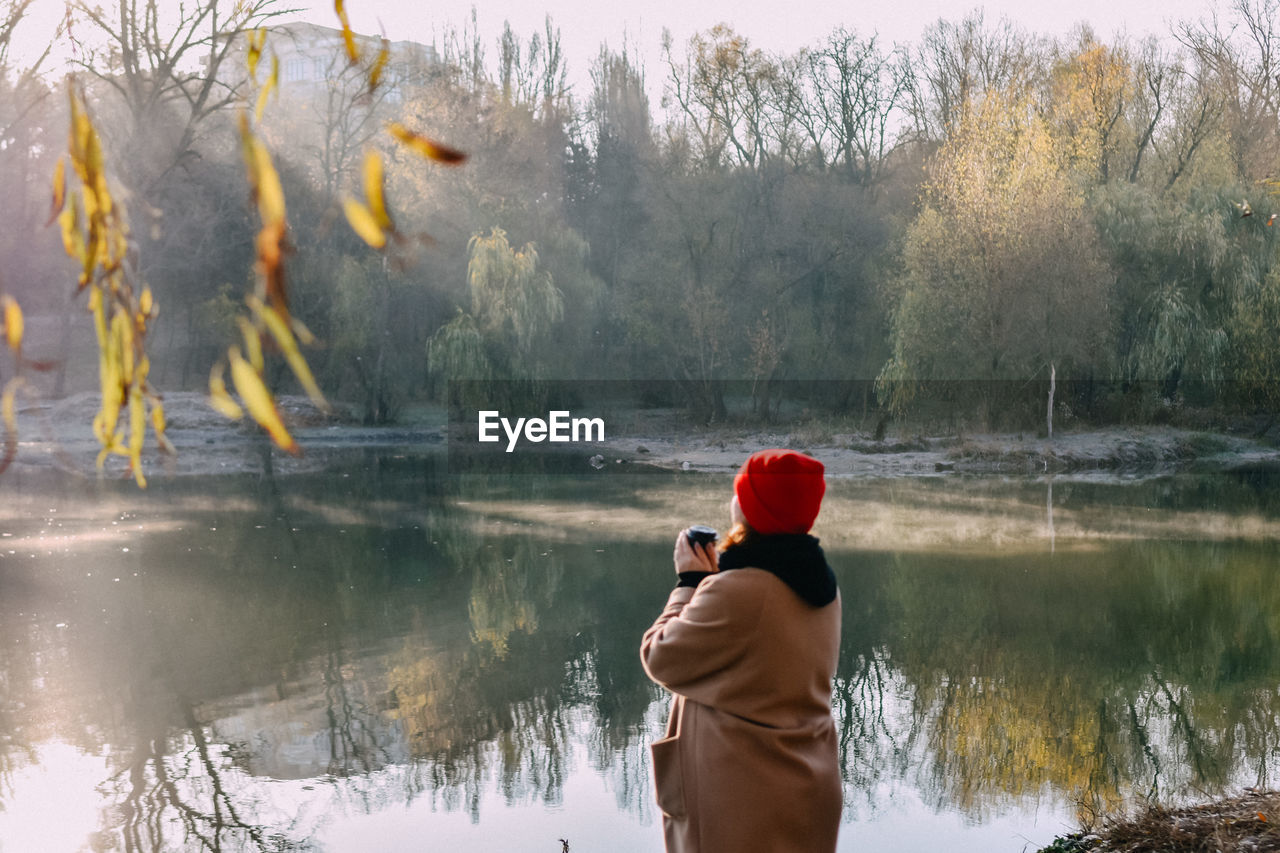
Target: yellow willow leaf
point(159, 425)
point(278, 326)
point(12, 322)
point(270, 267)
point(252, 342)
point(117, 249)
point(110, 372)
point(258, 400)
point(270, 193)
point(218, 396)
point(59, 190)
point(8, 409)
point(122, 340)
point(93, 155)
point(348, 37)
point(145, 302)
point(302, 332)
point(364, 223)
point(72, 228)
point(73, 111)
point(92, 179)
point(99, 316)
point(373, 190)
point(379, 66)
point(267, 88)
point(89, 257)
point(103, 256)
point(102, 193)
point(104, 429)
point(422, 145)
point(257, 41)
point(137, 432)
point(78, 145)
point(92, 212)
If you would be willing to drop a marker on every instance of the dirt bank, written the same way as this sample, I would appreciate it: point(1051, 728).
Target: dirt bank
point(59, 434)
point(1105, 453)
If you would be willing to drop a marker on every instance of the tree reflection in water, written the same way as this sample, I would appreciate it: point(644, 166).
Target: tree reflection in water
point(179, 800)
point(319, 655)
point(1140, 670)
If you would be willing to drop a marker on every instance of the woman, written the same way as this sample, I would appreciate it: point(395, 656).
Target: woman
point(748, 644)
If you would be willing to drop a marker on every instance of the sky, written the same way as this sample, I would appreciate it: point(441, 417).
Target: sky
point(774, 26)
point(771, 25)
point(777, 26)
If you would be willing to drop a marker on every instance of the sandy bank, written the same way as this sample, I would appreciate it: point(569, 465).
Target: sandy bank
point(1104, 453)
point(59, 434)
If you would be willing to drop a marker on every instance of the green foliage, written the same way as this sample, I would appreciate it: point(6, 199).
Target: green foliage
point(458, 351)
point(508, 332)
point(215, 318)
point(510, 297)
point(1194, 279)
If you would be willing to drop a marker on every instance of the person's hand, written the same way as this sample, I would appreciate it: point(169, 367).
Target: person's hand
point(694, 558)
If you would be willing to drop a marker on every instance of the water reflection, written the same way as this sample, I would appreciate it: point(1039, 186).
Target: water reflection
point(254, 662)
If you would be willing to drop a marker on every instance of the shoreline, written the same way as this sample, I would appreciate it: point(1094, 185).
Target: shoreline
point(1110, 453)
point(1241, 823)
point(58, 435)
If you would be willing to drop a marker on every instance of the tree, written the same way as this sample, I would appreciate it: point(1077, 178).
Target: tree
point(1195, 286)
point(514, 307)
point(376, 333)
point(1002, 275)
point(1240, 60)
point(856, 91)
point(24, 91)
point(957, 63)
point(168, 67)
point(30, 133)
point(724, 92)
point(609, 207)
point(1092, 89)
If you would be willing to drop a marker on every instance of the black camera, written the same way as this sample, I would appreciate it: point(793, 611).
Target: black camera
point(700, 534)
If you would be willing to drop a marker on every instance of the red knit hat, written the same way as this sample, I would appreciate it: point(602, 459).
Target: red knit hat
point(780, 491)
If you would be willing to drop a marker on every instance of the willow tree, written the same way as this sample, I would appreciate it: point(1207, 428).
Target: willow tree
point(515, 305)
point(1198, 288)
point(1002, 276)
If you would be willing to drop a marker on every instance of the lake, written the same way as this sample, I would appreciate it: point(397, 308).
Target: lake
point(387, 657)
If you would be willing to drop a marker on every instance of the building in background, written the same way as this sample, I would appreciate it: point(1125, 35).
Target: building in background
point(313, 58)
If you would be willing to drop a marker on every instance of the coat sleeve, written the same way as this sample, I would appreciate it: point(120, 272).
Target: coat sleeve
point(700, 634)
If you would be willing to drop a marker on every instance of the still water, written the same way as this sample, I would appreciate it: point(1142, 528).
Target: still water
point(389, 658)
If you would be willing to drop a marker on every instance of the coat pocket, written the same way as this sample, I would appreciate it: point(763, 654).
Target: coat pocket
point(668, 776)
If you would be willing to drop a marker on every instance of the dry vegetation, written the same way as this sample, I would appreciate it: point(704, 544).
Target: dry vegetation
point(1241, 824)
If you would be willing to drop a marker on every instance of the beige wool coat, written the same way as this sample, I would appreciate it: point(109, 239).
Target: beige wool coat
point(749, 762)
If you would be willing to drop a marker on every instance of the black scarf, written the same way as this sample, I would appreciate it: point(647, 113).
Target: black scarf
point(794, 557)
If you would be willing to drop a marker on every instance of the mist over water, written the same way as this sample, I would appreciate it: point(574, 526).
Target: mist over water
point(387, 654)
